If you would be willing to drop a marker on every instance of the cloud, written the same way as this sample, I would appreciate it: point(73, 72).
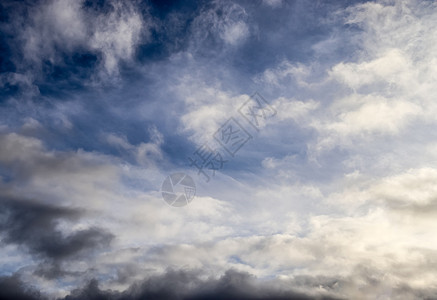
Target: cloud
point(284, 72)
point(293, 109)
point(273, 3)
point(191, 285)
point(33, 225)
point(409, 192)
point(381, 89)
point(117, 34)
point(59, 34)
point(11, 287)
point(54, 24)
point(224, 20)
point(145, 154)
point(364, 117)
point(207, 109)
point(334, 197)
point(235, 33)
point(26, 160)
point(392, 68)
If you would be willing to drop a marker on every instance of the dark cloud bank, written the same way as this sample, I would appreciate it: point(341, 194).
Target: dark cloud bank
point(33, 225)
point(172, 285)
point(188, 285)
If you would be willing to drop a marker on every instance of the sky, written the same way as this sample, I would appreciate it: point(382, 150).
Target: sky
point(218, 149)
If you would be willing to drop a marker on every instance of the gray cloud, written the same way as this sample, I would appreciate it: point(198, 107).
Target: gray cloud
point(33, 225)
point(177, 285)
point(190, 285)
point(193, 285)
point(11, 287)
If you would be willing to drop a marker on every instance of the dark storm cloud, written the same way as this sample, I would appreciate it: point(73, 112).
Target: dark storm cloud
point(180, 285)
point(11, 287)
point(189, 286)
point(33, 225)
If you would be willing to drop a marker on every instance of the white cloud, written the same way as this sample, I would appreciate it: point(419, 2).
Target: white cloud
point(228, 21)
point(393, 69)
point(67, 25)
point(285, 72)
point(207, 108)
point(145, 154)
point(385, 90)
point(373, 116)
point(117, 35)
point(273, 3)
point(235, 33)
point(55, 23)
point(293, 109)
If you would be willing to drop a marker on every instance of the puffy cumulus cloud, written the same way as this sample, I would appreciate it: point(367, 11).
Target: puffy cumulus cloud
point(383, 88)
point(338, 256)
point(392, 70)
point(293, 109)
point(161, 223)
point(372, 107)
point(394, 25)
point(335, 246)
point(364, 117)
point(410, 192)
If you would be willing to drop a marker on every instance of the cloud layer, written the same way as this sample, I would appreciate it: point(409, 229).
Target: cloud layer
point(333, 197)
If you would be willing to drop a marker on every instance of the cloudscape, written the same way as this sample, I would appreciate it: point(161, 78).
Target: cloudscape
point(218, 149)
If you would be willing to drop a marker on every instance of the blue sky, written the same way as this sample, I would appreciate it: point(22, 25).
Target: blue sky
point(333, 197)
